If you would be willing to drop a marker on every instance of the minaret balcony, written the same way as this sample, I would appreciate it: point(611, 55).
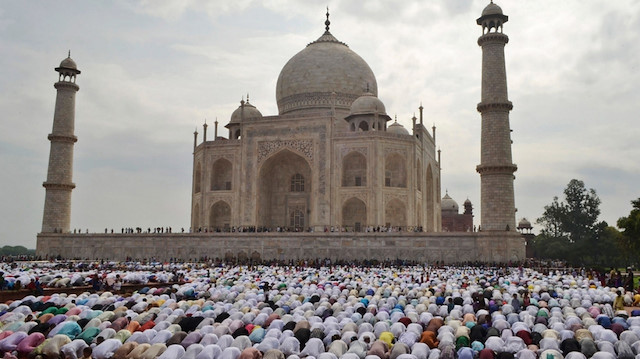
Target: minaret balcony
point(493, 37)
point(495, 106)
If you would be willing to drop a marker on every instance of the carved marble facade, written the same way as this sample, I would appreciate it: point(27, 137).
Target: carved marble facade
point(305, 173)
point(330, 159)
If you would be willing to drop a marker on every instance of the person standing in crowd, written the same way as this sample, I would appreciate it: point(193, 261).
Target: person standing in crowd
point(117, 285)
point(515, 303)
point(628, 285)
point(618, 303)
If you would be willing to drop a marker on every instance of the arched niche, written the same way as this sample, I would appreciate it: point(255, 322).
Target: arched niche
point(354, 214)
point(276, 195)
point(221, 175)
point(354, 170)
point(220, 217)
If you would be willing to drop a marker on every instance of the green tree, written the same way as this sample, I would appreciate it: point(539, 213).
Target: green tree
point(571, 228)
point(16, 250)
point(630, 239)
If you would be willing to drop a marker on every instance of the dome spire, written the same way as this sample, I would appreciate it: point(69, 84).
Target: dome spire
point(327, 22)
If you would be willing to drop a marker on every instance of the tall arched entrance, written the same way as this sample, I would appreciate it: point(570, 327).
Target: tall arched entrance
point(221, 175)
point(284, 192)
point(354, 170)
point(220, 217)
point(430, 201)
point(354, 215)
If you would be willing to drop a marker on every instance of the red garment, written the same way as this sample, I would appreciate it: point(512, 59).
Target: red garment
point(525, 336)
point(148, 325)
point(406, 321)
point(486, 354)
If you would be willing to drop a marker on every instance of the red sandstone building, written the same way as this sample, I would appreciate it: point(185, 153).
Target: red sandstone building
point(452, 221)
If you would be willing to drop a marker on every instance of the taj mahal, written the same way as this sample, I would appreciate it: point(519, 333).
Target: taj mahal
point(332, 175)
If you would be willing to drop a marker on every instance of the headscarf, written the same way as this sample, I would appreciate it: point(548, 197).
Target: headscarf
point(338, 348)
point(398, 349)
point(486, 354)
point(273, 354)
point(465, 353)
point(303, 334)
point(250, 353)
point(359, 348)
point(230, 353)
point(569, 345)
point(313, 348)
point(379, 348)
point(290, 346)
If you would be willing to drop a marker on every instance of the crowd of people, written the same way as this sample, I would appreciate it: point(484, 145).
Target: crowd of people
point(322, 310)
point(251, 229)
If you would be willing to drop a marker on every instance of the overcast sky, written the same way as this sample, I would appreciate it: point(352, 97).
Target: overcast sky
point(153, 71)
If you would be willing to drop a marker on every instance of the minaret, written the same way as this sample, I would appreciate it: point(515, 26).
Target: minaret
point(57, 202)
point(496, 167)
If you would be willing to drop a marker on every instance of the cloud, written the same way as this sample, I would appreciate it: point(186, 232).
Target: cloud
point(154, 70)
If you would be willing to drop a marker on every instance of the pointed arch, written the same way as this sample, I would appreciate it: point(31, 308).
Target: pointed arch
point(364, 126)
point(395, 171)
point(431, 213)
point(284, 185)
point(354, 169)
point(354, 214)
point(221, 175)
point(395, 213)
point(220, 217)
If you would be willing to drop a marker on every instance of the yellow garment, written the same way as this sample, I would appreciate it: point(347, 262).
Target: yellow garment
point(618, 303)
point(388, 338)
point(636, 300)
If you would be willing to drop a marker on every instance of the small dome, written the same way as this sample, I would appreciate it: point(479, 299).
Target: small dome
point(68, 67)
point(68, 63)
point(449, 204)
point(398, 129)
point(524, 223)
point(492, 9)
point(245, 111)
point(366, 104)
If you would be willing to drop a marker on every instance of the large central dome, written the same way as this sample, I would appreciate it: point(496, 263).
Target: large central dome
point(324, 67)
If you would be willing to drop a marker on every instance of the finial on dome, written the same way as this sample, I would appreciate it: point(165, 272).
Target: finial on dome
point(247, 97)
point(69, 55)
point(396, 117)
point(327, 23)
